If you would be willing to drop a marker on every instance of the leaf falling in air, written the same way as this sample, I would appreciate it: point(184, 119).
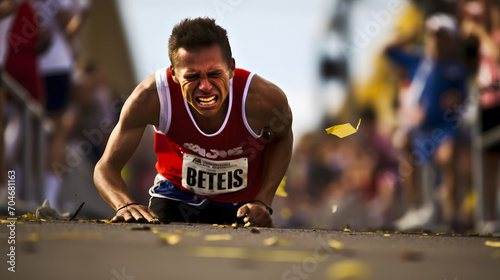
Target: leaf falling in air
point(281, 188)
point(343, 130)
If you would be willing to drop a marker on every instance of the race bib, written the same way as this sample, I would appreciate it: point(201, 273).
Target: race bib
point(209, 177)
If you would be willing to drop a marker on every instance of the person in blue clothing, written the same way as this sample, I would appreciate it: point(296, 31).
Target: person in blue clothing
point(437, 84)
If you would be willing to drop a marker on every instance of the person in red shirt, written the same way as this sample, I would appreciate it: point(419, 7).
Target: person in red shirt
point(223, 136)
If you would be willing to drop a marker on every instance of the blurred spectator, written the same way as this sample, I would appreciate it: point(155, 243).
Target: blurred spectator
point(7, 10)
point(481, 23)
point(23, 46)
point(438, 85)
point(56, 63)
point(90, 109)
point(19, 53)
point(316, 163)
point(384, 187)
point(80, 11)
point(380, 90)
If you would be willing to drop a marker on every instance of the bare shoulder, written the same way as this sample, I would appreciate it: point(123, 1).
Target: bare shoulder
point(267, 105)
point(143, 104)
point(265, 91)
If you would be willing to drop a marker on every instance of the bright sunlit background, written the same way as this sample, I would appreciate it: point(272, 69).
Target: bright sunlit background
point(276, 39)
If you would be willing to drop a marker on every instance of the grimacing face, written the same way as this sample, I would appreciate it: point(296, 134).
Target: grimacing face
point(203, 76)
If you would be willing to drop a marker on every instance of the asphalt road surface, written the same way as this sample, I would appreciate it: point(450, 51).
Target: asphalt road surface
point(58, 249)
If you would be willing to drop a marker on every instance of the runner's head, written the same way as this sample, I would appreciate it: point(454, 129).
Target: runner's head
point(202, 64)
point(194, 34)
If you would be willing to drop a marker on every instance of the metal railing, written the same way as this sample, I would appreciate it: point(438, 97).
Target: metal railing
point(480, 143)
point(36, 127)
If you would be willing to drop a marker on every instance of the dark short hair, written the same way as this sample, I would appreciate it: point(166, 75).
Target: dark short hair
point(193, 34)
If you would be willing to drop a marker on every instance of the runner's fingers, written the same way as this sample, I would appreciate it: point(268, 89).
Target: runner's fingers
point(117, 218)
point(242, 211)
point(136, 216)
point(153, 214)
point(148, 216)
point(127, 217)
point(258, 216)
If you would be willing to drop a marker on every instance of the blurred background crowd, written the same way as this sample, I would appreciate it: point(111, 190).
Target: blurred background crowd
point(423, 76)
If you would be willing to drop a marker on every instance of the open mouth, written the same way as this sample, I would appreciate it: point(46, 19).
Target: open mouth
point(207, 101)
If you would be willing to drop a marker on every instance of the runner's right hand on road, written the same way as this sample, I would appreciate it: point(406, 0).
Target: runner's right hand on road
point(135, 213)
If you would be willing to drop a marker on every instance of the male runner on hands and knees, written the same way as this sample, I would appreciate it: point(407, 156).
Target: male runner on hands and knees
point(223, 136)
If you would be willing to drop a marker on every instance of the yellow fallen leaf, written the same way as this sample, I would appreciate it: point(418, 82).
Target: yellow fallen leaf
point(270, 241)
point(17, 222)
point(343, 130)
point(495, 244)
point(233, 225)
point(470, 202)
point(346, 229)
point(170, 239)
point(386, 235)
point(100, 221)
point(275, 241)
point(218, 237)
point(336, 244)
point(348, 270)
point(30, 217)
point(281, 188)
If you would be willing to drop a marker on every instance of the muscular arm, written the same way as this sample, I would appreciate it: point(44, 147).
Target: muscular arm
point(267, 107)
point(140, 109)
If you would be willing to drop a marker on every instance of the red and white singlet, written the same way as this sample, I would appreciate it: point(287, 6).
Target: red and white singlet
point(225, 166)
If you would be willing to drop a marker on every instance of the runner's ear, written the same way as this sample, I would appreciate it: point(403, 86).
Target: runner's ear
point(173, 75)
point(232, 68)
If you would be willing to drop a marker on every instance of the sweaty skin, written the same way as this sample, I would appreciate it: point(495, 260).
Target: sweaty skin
point(203, 76)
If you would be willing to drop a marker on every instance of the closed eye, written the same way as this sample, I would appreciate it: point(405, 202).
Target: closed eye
point(191, 77)
point(214, 74)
